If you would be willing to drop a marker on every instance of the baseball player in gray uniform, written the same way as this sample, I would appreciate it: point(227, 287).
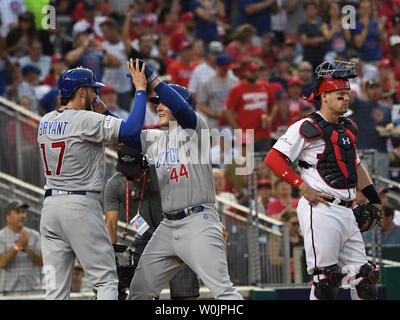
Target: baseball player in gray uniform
point(72, 142)
point(191, 231)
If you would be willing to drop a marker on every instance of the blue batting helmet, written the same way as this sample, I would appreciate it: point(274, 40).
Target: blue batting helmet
point(74, 79)
point(183, 92)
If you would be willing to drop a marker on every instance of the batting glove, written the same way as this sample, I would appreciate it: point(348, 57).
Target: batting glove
point(148, 72)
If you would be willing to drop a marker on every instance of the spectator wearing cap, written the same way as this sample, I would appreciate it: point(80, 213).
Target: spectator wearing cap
point(37, 58)
point(205, 69)
point(20, 253)
point(311, 37)
point(182, 69)
point(27, 88)
point(206, 14)
point(89, 53)
point(49, 102)
point(57, 68)
point(257, 13)
point(213, 93)
point(284, 116)
point(294, 87)
point(109, 96)
point(284, 200)
point(369, 34)
point(185, 32)
point(282, 70)
point(89, 15)
point(267, 53)
point(394, 58)
point(369, 114)
point(386, 75)
point(251, 106)
point(120, 48)
point(389, 232)
point(264, 78)
point(335, 36)
point(241, 46)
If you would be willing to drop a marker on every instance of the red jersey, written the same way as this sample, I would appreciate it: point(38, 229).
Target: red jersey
point(275, 206)
point(250, 102)
point(180, 73)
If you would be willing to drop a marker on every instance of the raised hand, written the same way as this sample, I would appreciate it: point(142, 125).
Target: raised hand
point(137, 73)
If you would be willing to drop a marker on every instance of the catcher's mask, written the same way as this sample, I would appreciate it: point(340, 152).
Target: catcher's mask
point(130, 160)
point(332, 76)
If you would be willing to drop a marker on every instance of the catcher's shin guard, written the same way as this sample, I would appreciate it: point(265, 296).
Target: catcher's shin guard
point(327, 288)
point(367, 288)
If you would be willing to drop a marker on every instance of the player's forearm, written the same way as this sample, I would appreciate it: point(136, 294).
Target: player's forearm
point(111, 224)
point(7, 257)
point(278, 165)
point(366, 186)
point(180, 109)
point(35, 256)
point(133, 125)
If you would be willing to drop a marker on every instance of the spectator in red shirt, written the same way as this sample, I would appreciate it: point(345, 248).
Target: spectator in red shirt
point(168, 21)
point(251, 106)
point(185, 32)
point(284, 116)
point(283, 201)
point(294, 86)
point(241, 47)
point(267, 53)
point(164, 52)
point(181, 69)
point(394, 43)
point(386, 75)
point(57, 68)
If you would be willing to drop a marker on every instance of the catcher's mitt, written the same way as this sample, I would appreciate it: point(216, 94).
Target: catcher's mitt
point(367, 215)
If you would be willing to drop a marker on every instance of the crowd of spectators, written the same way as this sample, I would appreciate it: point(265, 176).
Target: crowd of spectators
point(246, 63)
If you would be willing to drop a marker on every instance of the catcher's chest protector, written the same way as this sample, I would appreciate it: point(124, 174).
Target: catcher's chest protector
point(337, 164)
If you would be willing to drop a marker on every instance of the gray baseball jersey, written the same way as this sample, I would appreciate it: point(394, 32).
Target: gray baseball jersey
point(182, 164)
point(73, 149)
point(72, 145)
point(186, 180)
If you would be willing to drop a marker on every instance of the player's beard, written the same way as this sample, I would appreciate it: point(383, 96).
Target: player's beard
point(88, 104)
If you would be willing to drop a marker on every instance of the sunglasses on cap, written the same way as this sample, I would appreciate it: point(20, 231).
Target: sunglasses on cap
point(155, 100)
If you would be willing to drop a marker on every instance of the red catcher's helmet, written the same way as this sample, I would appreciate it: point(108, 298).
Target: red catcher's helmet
point(330, 84)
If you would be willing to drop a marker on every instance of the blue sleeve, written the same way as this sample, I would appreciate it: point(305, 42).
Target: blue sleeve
point(180, 109)
point(131, 128)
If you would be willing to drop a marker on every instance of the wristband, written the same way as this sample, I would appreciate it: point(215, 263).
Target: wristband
point(16, 247)
point(371, 194)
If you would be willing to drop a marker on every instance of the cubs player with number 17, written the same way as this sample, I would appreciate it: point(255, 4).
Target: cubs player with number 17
point(325, 144)
point(191, 231)
point(72, 142)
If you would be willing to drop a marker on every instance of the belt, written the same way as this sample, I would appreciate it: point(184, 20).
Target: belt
point(184, 213)
point(51, 192)
point(340, 202)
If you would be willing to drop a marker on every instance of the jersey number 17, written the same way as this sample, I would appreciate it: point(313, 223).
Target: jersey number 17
point(54, 145)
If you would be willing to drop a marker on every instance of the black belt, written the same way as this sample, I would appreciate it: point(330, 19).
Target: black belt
point(51, 192)
point(344, 203)
point(184, 213)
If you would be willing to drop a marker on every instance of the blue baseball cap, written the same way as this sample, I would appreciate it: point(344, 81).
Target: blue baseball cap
point(224, 61)
point(26, 69)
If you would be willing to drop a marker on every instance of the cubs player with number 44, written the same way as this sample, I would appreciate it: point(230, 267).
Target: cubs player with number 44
point(191, 231)
point(72, 141)
point(324, 143)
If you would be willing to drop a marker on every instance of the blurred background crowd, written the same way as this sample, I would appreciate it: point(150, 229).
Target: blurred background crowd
point(246, 63)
